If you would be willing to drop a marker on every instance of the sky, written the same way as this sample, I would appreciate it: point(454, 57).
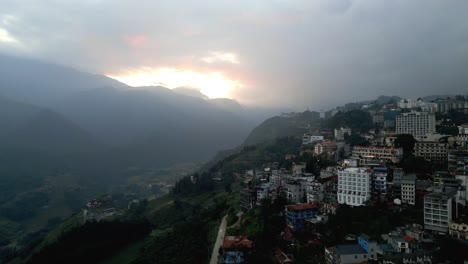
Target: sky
point(298, 54)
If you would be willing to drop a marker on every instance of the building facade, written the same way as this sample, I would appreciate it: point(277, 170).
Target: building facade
point(314, 192)
point(438, 209)
point(418, 124)
point(296, 215)
point(354, 186)
point(361, 252)
point(369, 154)
point(340, 133)
point(408, 189)
point(458, 230)
point(434, 151)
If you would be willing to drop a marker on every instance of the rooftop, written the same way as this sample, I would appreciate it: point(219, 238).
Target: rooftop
point(349, 249)
point(231, 242)
point(300, 207)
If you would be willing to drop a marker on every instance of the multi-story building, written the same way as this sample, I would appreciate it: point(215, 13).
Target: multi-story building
point(438, 209)
point(378, 118)
point(309, 139)
point(458, 161)
point(248, 199)
point(330, 189)
point(450, 104)
point(340, 133)
point(314, 192)
point(354, 186)
point(325, 148)
point(379, 181)
point(398, 174)
point(296, 191)
point(372, 154)
point(462, 137)
point(408, 189)
point(361, 252)
point(296, 215)
point(417, 124)
point(434, 151)
point(458, 230)
point(263, 191)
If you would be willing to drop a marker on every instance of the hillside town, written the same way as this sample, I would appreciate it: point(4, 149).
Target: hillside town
point(412, 162)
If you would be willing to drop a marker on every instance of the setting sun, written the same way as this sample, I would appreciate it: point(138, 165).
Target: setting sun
point(213, 84)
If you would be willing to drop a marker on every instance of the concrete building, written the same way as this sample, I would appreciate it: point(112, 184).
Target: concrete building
point(434, 151)
point(408, 189)
point(328, 148)
point(369, 154)
point(296, 191)
point(296, 215)
point(314, 192)
point(398, 174)
point(340, 133)
point(379, 181)
point(361, 252)
point(458, 161)
point(417, 124)
point(438, 209)
point(378, 118)
point(309, 139)
point(354, 186)
point(450, 104)
point(263, 191)
point(458, 230)
point(248, 199)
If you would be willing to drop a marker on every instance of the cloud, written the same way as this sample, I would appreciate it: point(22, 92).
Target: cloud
point(215, 57)
point(6, 37)
point(289, 53)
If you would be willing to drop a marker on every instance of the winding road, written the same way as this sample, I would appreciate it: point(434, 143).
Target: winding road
point(219, 241)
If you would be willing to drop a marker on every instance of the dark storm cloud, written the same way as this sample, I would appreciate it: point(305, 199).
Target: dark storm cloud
point(289, 53)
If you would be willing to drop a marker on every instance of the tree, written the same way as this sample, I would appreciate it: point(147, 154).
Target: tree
point(405, 141)
point(356, 140)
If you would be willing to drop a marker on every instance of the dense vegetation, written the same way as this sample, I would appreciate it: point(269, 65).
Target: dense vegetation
point(280, 127)
point(92, 242)
point(358, 120)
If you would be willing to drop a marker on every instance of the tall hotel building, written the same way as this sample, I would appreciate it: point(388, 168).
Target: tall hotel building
point(418, 124)
point(354, 186)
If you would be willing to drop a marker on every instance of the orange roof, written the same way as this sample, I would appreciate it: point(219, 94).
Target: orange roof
point(300, 207)
point(236, 242)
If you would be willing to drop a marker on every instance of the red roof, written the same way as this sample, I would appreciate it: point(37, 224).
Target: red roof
point(236, 242)
point(300, 207)
point(407, 238)
point(278, 252)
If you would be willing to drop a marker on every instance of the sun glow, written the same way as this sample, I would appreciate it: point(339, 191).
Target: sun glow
point(212, 84)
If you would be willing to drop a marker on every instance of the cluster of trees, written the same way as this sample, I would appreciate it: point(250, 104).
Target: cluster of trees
point(194, 184)
point(357, 120)
point(92, 242)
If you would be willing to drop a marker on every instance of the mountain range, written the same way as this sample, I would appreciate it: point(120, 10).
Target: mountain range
point(68, 135)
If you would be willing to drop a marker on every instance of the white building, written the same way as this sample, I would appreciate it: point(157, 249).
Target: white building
point(438, 209)
point(418, 124)
point(309, 139)
point(340, 133)
point(354, 186)
point(408, 189)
